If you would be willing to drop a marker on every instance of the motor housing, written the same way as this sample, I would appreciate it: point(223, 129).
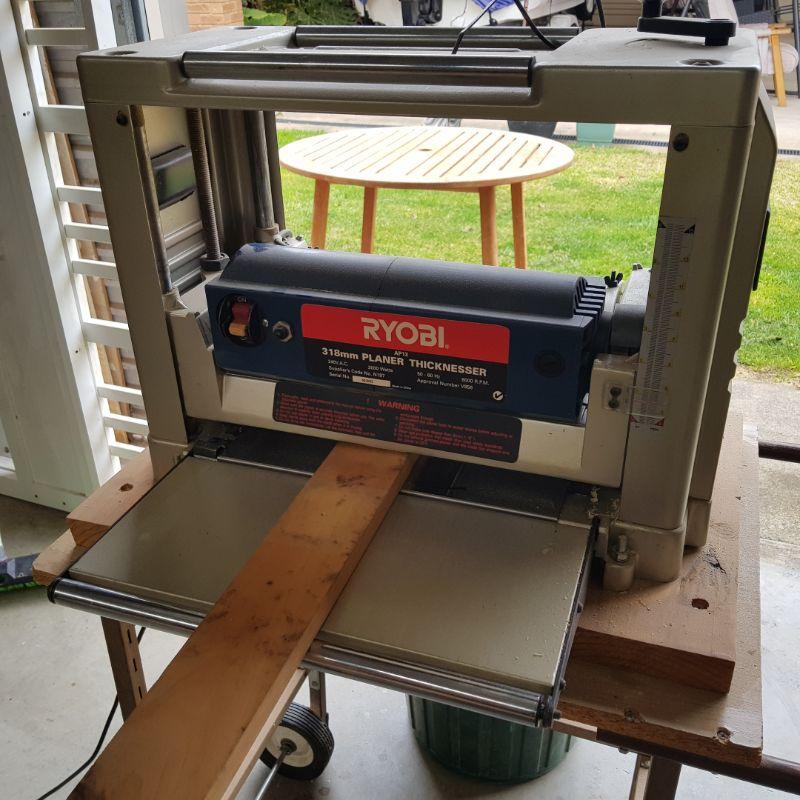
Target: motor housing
point(519, 342)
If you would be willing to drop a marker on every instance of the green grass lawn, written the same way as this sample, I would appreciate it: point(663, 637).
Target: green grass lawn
point(597, 216)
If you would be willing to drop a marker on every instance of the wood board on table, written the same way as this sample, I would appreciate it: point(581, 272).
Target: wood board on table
point(233, 672)
point(685, 630)
point(725, 727)
point(104, 507)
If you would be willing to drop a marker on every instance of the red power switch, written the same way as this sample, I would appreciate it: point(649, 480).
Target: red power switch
point(239, 326)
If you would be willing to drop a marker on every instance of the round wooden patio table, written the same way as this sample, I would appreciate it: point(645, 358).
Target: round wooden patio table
point(427, 157)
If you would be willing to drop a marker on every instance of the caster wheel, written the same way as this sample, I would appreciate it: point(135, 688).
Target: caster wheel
point(312, 740)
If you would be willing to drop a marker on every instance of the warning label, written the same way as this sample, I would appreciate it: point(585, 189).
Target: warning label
point(428, 425)
point(397, 351)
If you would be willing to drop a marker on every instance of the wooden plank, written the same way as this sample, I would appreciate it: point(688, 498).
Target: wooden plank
point(685, 630)
point(56, 559)
point(198, 731)
point(725, 727)
point(98, 512)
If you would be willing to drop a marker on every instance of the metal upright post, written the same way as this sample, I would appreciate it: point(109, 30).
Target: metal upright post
point(266, 227)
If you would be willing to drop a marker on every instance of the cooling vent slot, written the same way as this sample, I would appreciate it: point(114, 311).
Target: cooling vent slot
point(589, 298)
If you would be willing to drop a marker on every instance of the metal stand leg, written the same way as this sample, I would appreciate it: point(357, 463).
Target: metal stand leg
point(126, 664)
point(662, 780)
point(317, 695)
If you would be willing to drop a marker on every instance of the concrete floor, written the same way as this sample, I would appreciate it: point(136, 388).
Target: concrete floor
point(56, 689)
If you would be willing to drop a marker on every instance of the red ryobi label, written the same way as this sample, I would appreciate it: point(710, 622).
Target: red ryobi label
point(476, 341)
point(400, 351)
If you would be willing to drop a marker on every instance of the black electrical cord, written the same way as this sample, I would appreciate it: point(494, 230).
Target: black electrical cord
point(549, 43)
point(532, 25)
point(463, 32)
point(600, 13)
point(99, 745)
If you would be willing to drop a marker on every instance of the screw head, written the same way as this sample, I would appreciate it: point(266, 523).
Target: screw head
point(680, 142)
point(122, 119)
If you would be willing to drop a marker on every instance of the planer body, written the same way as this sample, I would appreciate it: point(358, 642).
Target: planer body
point(563, 421)
point(609, 395)
point(499, 340)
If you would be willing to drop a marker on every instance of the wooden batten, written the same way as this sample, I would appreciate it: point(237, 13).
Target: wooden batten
point(199, 730)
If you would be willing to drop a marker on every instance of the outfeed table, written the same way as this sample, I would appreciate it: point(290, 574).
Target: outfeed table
point(427, 157)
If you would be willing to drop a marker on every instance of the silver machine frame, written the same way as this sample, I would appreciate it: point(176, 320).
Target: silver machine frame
point(716, 183)
point(717, 179)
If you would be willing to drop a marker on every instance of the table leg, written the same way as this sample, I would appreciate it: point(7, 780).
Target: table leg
point(488, 206)
point(368, 219)
point(518, 222)
point(662, 780)
point(777, 61)
point(319, 216)
point(126, 664)
point(641, 772)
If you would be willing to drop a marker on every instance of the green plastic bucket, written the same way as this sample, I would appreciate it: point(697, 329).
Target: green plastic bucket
point(485, 747)
point(595, 132)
